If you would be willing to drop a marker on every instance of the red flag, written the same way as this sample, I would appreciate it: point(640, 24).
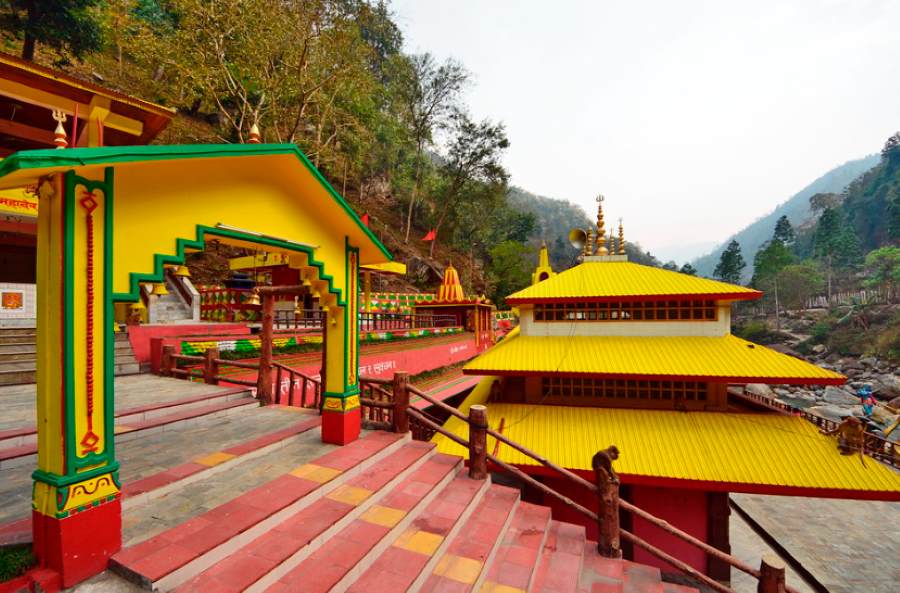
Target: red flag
point(431, 236)
point(365, 219)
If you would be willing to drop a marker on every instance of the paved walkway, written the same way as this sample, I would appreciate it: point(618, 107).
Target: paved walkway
point(158, 451)
point(849, 546)
point(18, 401)
point(165, 512)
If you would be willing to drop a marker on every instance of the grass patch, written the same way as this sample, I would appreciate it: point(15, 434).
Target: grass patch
point(14, 561)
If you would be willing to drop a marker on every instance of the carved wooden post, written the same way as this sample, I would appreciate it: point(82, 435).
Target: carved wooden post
point(210, 366)
point(478, 425)
point(771, 575)
point(401, 402)
point(167, 362)
point(608, 544)
point(264, 380)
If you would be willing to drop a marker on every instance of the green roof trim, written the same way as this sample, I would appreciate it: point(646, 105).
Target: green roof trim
point(106, 155)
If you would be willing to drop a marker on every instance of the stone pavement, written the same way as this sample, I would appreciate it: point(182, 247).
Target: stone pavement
point(747, 546)
point(158, 451)
point(176, 507)
point(18, 401)
point(849, 546)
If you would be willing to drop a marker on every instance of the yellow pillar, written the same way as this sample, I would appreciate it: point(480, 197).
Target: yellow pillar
point(76, 501)
point(340, 410)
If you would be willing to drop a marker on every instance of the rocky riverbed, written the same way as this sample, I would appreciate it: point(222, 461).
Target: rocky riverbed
point(837, 402)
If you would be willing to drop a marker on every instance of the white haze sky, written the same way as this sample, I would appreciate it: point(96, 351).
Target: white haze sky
point(692, 118)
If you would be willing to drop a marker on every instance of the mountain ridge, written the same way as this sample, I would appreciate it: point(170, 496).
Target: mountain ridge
point(796, 208)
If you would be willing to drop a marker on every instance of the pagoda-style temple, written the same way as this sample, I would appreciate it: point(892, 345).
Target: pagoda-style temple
point(474, 313)
point(610, 352)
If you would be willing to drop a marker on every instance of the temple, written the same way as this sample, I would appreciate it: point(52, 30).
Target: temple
point(475, 313)
point(611, 352)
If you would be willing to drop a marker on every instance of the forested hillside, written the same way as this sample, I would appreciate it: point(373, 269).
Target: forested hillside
point(796, 208)
point(389, 129)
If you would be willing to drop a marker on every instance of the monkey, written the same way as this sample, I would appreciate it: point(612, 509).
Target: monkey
point(603, 461)
point(851, 436)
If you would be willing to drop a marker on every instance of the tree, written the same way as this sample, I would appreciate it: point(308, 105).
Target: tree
point(827, 242)
point(731, 264)
point(670, 265)
point(883, 268)
point(65, 25)
point(429, 93)
point(784, 232)
point(510, 269)
point(688, 269)
point(472, 165)
point(772, 257)
point(820, 202)
point(799, 282)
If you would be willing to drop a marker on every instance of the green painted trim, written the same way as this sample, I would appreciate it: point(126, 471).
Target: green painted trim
point(353, 390)
point(68, 330)
point(159, 260)
point(351, 314)
point(57, 481)
point(81, 157)
point(109, 336)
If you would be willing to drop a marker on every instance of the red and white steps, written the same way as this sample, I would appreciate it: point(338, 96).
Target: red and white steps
point(383, 514)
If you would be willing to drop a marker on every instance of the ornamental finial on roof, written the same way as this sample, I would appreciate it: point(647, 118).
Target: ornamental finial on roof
point(601, 231)
point(255, 136)
point(621, 249)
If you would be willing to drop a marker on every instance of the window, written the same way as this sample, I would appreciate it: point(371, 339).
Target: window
point(622, 389)
point(695, 310)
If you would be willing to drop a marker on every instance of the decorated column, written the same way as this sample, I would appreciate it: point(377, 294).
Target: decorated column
point(76, 500)
point(340, 412)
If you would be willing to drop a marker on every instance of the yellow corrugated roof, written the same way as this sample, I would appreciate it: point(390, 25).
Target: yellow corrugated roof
point(606, 280)
point(750, 451)
point(724, 358)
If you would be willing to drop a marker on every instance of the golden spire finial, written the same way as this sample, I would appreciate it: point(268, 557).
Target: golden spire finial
point(601, 231)
point(621, 249)
point(589, 243)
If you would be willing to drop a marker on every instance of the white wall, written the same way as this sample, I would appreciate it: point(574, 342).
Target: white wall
point(530, 327)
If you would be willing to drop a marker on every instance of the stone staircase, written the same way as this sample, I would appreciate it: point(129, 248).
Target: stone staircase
point(169, 308)
point(18, 356)
point(383, 514)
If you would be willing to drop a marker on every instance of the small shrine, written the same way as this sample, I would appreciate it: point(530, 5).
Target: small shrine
point(474, 313)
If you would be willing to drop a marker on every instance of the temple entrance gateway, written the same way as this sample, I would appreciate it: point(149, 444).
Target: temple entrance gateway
point(112, 218)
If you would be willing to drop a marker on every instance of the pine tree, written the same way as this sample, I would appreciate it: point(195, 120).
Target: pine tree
point(784, 232)
point(731, 264)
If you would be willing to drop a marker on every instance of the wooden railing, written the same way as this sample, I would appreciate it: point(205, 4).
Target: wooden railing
point(303, 319)
point(292, 388)
point(298, 387)
point(873, 445)
point(403, 418)
point(382, 321)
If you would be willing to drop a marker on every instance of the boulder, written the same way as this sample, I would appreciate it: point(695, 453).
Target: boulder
point(837, 396)
point(868, 361)
point(835, 413)
point(819, 349)
point(895, 403)
point(760, 389)
point(886, 386)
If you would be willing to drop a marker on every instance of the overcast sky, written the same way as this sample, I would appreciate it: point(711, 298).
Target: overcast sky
point(693, 118)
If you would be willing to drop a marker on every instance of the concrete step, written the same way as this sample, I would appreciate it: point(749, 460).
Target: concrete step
point(409, 558)
point(463, 567)
point(561, 559)
point(137, 416)
point(160, 481)
point(177, 555)
point(24, 454)
point(515, 566)
point(361, 512)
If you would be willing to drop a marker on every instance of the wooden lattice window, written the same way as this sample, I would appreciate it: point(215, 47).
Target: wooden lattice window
point(688, 310)
point(577, 388)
